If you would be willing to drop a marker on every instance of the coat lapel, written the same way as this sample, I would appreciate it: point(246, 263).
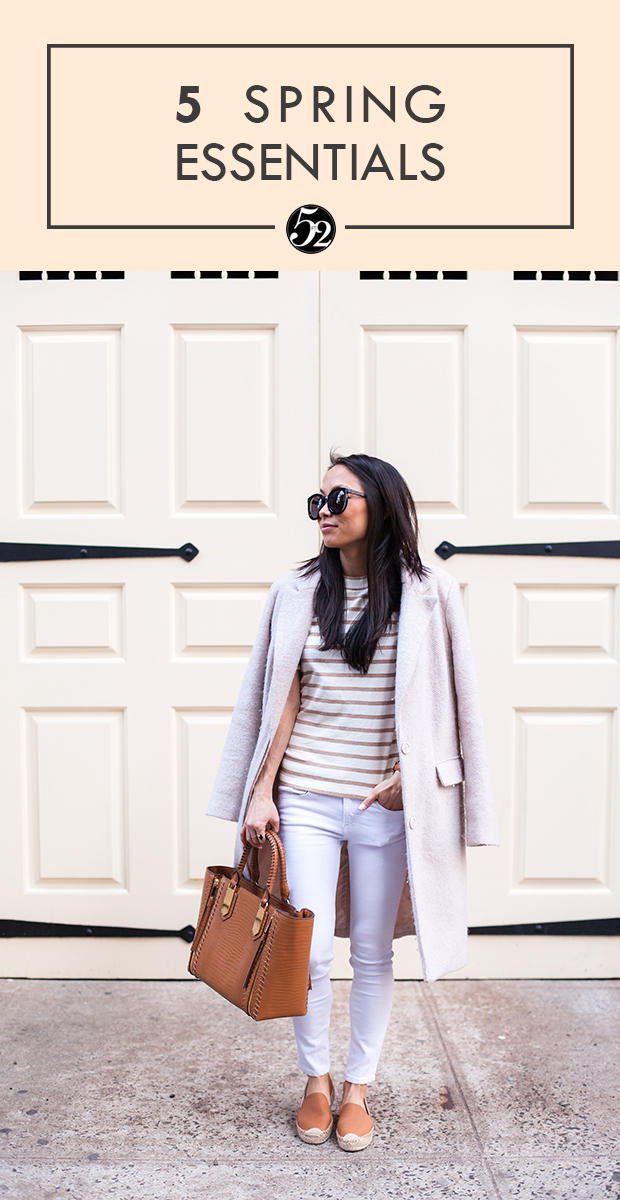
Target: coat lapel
point(292, 628)
point(417, 604)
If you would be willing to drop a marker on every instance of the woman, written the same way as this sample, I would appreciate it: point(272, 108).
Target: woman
point(357, 722)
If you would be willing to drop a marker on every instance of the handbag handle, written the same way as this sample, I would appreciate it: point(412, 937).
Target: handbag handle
point(277, 858)
point(284, 888)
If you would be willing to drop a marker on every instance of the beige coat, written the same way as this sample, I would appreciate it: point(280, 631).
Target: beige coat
point(440, 739)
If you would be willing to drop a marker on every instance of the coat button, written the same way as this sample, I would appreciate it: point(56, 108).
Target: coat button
point(412, 822)
point(405, 748)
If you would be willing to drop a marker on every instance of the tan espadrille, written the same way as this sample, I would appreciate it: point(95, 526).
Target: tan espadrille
point(355, 1127)
point(314, 1119)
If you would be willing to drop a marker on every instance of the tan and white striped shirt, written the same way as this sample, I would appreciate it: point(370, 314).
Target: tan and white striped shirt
point(344, 739)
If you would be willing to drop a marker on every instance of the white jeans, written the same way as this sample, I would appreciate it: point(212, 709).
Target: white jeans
point(313, 828)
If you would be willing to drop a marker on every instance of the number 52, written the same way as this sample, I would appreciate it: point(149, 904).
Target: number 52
point(314, 227)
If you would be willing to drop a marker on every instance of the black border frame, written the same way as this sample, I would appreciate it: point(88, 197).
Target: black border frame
point(311, 46)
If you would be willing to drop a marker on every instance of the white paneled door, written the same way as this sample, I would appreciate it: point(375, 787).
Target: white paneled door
point(153, 411)
point(148, 412)
point(498, 399)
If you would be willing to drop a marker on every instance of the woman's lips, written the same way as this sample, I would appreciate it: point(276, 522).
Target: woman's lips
point(325, 527)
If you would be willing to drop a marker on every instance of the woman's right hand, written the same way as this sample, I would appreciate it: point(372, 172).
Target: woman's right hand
point(262, 814)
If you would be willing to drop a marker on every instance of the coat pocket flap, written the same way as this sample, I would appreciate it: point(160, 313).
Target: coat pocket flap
point(450, 772)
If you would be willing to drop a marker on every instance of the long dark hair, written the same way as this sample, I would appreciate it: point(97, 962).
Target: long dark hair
point(392, 544)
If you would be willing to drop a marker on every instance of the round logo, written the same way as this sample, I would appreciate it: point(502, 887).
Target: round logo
point(311, 229)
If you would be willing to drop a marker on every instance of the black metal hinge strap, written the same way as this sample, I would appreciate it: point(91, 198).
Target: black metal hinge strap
point(596, 927)
point(600, 927)
point(42, 552)
point(32, 929)
point(544, 549)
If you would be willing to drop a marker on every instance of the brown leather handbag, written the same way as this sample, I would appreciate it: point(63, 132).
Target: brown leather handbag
point(250, 946)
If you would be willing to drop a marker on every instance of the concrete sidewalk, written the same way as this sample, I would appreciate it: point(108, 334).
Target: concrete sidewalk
point(494, 1090)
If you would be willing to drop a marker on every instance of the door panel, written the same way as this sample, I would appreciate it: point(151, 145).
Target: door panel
point(224, 383)
point(497, 399)
point(147, 411)
point(402, 367)
point(70, 401)
point(73, 755)
point(566, 409)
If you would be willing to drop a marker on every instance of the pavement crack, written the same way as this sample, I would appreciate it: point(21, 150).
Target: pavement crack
point(429, 1002)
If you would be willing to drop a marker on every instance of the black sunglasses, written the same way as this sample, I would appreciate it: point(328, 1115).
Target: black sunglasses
point(336, 501)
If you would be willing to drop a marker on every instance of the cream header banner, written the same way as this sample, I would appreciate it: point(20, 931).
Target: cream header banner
point(239, 137)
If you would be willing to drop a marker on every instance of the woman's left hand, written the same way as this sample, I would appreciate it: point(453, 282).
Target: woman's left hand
point(389, 793)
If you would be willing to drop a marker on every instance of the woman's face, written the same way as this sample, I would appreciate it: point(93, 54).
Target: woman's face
point(352, 525)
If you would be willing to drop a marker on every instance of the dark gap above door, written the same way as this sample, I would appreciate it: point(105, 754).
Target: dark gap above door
point(224, 274)
point(413, 275)
point(570, 276)
point(72, 276)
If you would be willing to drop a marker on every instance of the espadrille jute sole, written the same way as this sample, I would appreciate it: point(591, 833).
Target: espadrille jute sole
point(352, 1142)
point(315, 1137)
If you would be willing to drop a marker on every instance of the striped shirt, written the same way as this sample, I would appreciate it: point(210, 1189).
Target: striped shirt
point(344, 739)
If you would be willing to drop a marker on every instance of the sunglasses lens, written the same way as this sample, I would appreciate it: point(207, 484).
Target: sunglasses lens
point(314, 506)
point(337, 501)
